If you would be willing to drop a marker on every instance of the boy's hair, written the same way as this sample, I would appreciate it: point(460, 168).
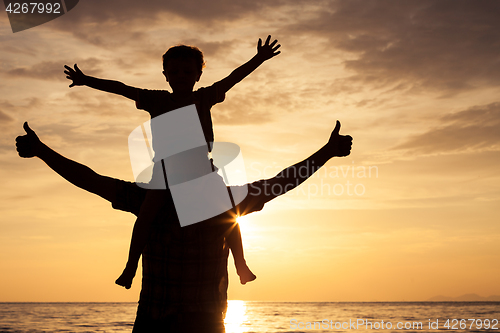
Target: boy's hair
point(184, 52)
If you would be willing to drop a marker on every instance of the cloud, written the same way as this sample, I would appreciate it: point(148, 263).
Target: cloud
point(53, 70)
point(5, 118)
point(263, 99)
point(240, 110)
point(101, 105)
point(211, 49)
point(446, 46)
point(121, 10)
point(477, 128)
point(6, 124)
point(87, 121)
point(91, 17)
point(31, 103)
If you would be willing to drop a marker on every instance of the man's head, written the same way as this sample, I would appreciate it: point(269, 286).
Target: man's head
point(182, 67)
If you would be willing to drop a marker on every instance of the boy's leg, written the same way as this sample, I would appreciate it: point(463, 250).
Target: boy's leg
point(149, 209)
point(236, 245)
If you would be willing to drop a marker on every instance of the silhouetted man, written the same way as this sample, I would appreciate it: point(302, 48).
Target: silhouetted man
point(184, 285)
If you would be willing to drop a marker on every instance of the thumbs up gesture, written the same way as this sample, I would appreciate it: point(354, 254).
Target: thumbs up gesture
point(339, 145)
point(28, 145)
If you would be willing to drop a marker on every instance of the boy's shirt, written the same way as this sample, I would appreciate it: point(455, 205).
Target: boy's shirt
point(157, 102)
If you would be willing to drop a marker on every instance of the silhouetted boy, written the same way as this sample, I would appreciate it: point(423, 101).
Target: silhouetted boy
point(182, 67)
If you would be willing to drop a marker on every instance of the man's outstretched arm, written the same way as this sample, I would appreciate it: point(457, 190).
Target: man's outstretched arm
point(263, 191)
point(29, 145)
point(291, 177)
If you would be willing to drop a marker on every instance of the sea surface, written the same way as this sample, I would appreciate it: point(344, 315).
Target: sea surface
point(244, 316)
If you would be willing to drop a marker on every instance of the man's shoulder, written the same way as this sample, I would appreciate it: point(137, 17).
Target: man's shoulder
point(129, 196)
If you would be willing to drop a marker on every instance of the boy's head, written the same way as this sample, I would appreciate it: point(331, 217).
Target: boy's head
point(183, 66)
point(184, 52)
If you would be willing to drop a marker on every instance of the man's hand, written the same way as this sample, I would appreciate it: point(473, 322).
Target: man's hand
point(267, 51)
point(75, 75)
point(339, 145)
point(28, 145)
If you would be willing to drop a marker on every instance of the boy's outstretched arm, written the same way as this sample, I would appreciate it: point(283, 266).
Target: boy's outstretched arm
point(115, 87)
point(264, 52)
point(29, 145)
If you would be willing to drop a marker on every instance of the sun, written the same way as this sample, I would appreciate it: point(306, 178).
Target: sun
point(244, 222)
point(249, 231)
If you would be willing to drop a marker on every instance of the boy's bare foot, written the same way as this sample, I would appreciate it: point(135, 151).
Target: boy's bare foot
point(245, 274)
point(125, 280)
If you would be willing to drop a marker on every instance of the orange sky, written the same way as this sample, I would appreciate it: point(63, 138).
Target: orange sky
point(416, 83)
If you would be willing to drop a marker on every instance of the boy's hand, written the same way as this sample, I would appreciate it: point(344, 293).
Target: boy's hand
point(267, 51)
point(28, 145)
point(75, 75)
point(339, 145)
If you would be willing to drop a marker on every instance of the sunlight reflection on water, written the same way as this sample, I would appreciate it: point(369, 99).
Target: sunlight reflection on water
point(236, 317)
point(246, 316)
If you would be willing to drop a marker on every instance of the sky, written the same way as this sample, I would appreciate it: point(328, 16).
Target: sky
point(412, 213)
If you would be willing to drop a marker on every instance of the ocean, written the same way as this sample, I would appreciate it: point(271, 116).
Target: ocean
point(260, 317)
